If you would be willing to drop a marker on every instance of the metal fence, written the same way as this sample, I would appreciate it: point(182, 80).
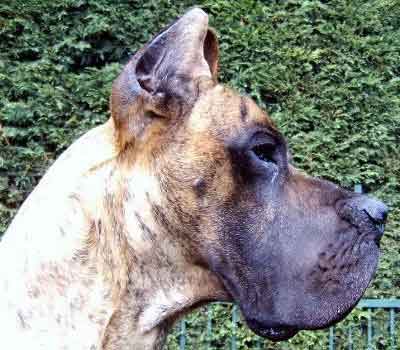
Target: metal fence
point(390, 306)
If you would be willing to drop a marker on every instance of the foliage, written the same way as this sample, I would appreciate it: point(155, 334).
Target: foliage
point(328, 72)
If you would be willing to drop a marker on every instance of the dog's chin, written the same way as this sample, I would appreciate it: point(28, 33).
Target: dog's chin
point(272, 333)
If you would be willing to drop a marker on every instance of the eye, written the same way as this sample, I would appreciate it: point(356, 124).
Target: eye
point(265, 152)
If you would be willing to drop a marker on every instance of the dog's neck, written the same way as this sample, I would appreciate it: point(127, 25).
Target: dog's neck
point(107, 263)
point(151, 279)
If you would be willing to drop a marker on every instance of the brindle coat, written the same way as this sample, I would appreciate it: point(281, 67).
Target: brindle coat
point(184, 196)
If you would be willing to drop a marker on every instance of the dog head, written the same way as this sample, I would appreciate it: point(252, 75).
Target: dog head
point(293, 251)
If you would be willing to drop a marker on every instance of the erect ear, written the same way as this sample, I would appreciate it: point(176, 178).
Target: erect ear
point(163, 79)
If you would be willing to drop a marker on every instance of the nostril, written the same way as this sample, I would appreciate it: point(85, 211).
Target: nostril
point(377, 211)
point(362, 211)
point(385, 214)
point(378, 220)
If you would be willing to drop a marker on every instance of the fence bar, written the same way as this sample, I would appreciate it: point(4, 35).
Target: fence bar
point(209, 326)
point(379, 303)
point(234, 324)
point(392, 329)
point(369, 334)
point(331, 338)
point(358, 188)
point(350, 337)
point(258, 343)
point(182, 337)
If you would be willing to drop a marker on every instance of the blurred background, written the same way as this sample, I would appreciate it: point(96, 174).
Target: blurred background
point(328, 72)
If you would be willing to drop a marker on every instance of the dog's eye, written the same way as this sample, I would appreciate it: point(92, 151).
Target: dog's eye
point(265, 152)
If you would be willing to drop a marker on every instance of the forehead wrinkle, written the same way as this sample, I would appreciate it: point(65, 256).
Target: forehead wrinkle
point(243, 109)
point(222, 113)
point(258, 116)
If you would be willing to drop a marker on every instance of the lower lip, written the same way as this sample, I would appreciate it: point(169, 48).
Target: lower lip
point(278, 334)
point(272, 333)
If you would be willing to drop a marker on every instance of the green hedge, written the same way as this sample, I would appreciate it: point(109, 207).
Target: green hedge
point(328, 72)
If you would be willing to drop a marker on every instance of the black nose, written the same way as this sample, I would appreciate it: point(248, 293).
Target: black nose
point(376, 211)
point(357, 207)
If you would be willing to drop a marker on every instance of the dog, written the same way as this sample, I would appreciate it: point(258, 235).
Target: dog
point(185, 196)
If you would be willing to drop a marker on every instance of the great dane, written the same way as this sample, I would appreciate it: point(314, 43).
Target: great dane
point(185, 196)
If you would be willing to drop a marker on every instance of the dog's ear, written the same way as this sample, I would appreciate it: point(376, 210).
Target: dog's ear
point(164, 79)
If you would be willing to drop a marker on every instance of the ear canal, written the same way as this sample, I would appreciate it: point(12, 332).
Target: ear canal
point(211, 52)
point(162, 79)
point(148, 63)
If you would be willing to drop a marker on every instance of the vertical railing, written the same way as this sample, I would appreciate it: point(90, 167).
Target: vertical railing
point(350, 337)
point(392, 329)
point(331, 338)
point(182, 336)
point(235, 317)
point(209, 327)
point(358, 188)
point(369, 330)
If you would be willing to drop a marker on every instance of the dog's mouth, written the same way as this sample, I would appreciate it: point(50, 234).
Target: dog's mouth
point(318, 299)
point(303, 289)
point(277, 333)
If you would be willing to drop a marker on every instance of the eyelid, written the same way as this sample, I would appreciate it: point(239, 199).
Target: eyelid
point(277, 141)
point(260, 138)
